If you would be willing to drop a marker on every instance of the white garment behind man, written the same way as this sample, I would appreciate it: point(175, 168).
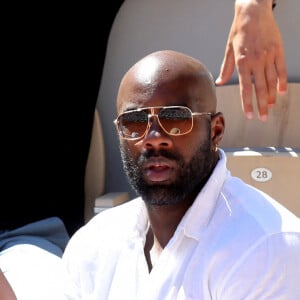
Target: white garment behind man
point(227, 246)
point(33, 273)
point(30, 258)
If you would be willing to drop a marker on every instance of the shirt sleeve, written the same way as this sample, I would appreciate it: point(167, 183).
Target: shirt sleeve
point(270, 269)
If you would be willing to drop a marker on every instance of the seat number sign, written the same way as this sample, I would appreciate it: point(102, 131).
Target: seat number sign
point(261, 174)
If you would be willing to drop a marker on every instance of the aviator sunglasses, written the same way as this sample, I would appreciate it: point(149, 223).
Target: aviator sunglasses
point(174, 120)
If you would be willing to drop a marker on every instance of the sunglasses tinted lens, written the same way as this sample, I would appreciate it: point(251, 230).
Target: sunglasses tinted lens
point(176, 120)
point(133, 124)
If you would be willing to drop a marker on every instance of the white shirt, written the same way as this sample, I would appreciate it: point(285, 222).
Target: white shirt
point(234, 243)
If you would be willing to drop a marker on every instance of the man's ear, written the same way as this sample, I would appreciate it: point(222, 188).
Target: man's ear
point(217, 128)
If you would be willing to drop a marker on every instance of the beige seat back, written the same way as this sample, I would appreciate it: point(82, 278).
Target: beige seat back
point(265, 155)
point(282, 129)
point(275, 171)
point(95, 168)
point(96, 200)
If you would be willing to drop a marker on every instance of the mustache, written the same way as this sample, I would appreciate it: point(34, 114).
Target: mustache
point(156, 153)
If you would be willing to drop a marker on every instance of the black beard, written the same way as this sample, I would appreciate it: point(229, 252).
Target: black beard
point(190, 179)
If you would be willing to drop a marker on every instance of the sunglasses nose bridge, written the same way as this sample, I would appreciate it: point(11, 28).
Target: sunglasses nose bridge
point(154, 121)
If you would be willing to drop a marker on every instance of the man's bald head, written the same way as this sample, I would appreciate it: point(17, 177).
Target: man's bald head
point(167, 70)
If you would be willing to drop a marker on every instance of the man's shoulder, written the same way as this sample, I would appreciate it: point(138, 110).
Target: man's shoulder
point(261, 210)
point(113, 227)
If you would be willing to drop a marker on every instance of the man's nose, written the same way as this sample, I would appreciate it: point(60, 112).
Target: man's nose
point(156, 137)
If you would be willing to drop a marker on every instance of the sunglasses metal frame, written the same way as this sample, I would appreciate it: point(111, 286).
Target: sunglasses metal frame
point(153, 114)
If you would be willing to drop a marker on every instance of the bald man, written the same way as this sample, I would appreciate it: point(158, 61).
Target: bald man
point(195, 231)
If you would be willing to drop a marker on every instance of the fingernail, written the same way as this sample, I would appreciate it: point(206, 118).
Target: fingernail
point(249, 115)
point(218, 80)
point(284, 92)
point(264, 118)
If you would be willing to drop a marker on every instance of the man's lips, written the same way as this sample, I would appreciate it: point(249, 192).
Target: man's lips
point(158, 169)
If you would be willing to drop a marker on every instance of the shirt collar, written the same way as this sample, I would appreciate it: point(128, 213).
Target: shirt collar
point(200, 213)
